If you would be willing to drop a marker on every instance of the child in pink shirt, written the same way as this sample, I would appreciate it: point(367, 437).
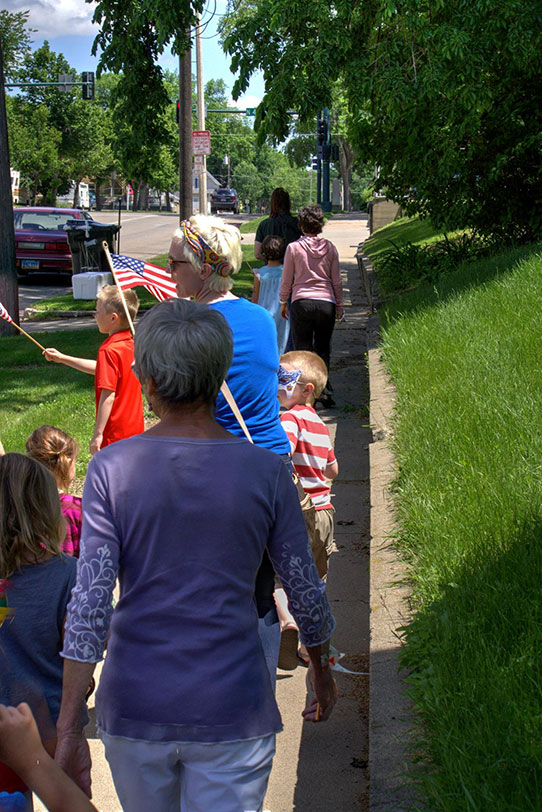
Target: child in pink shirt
point(58, 452)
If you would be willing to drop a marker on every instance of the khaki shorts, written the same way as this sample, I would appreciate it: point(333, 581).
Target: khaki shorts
point(322, 542)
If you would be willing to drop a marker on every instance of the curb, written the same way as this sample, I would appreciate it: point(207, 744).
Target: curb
point(390, 711)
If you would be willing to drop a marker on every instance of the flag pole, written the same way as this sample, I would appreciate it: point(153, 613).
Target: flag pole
point(28, 336)
point(110, 262)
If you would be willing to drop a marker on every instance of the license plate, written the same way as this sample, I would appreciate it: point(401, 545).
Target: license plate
point(32, 246)
point(31, 264)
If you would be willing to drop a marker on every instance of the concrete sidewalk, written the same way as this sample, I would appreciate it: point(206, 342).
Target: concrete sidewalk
point(325, 768)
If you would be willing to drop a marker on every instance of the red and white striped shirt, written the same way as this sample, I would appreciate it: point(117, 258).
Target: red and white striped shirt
point(312, 452)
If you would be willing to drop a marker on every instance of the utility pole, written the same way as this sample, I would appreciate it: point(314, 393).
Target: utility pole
point(201, 119)
point(9, 288)
point(326, 155)
point(185, 133)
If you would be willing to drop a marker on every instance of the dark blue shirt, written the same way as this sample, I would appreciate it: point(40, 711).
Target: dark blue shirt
point(31, 638)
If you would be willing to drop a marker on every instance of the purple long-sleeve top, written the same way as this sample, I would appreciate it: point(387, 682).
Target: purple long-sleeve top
point(184, 524)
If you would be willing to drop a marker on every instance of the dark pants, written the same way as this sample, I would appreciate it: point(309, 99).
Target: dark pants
point(311, 324)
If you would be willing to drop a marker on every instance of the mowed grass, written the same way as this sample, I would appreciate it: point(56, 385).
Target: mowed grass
point(34, 392)
point(465, 358)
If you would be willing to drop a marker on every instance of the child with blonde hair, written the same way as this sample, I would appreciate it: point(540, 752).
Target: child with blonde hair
point(58, 452)
point(119, 404)
point(36, 581)
point(302, 378)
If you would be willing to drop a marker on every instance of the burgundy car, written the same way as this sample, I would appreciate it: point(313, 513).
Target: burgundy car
point(41, 243)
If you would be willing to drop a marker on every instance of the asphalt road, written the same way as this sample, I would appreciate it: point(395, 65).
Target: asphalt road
point(143, 235)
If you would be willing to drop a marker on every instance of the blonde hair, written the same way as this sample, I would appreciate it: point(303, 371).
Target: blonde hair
point(31, 522)
point(311, 365)
point(56, 450)
point(112, 300)
point(223, 238)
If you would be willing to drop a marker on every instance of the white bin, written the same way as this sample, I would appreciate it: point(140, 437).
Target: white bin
point(87, 285)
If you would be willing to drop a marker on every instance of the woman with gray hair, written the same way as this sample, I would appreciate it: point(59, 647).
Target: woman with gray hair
point(185, 706)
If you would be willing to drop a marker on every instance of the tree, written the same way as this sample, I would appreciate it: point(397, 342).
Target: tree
point(443, 95)
point(14, 39)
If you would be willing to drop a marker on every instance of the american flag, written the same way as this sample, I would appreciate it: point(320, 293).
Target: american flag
point(4, 314)
point(131, 272)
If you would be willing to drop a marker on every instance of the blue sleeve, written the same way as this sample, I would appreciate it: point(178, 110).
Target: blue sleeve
point(290, 552)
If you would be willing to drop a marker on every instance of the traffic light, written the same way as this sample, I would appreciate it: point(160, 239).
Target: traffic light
point(178, 113)
point(87, 78)
point(334, 152)
point(322, 131)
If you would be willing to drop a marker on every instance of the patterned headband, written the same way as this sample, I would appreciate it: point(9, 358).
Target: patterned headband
point(203, 251)
point(288, 379)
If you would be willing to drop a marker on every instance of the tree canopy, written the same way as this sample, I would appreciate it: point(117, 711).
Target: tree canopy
point(442, 95)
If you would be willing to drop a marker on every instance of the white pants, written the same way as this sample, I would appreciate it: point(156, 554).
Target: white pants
point(190, 777)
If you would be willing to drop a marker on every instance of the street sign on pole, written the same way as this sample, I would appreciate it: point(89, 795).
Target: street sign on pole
point(65, 82)
point(201, 142)
point(250, 111)
point(198, 162)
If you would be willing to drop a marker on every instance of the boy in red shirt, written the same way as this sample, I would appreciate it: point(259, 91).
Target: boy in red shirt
point(119, 406)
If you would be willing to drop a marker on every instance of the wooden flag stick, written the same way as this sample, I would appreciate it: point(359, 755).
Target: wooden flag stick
point(28, 336)
point(126, 311)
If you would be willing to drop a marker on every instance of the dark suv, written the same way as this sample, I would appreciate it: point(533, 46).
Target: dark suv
point(225, 200)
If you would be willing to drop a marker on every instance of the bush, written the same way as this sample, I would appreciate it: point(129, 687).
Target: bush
point(406, 266)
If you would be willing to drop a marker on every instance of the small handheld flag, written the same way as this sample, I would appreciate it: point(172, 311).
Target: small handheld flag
point(4, 314)
point(132, 272)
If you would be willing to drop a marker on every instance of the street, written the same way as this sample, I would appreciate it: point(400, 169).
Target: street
point(143, 235)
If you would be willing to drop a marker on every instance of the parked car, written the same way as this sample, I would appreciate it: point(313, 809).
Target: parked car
point(41, 243)
point(224, 199)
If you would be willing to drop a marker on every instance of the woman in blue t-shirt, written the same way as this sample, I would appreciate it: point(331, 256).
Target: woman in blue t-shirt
point(204, 253)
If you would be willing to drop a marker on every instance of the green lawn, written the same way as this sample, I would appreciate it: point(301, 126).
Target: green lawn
point(34, 392)
point(465, 358)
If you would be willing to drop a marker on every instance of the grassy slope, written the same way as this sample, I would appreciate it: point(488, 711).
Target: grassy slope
point(400, 232)
point(465, 359)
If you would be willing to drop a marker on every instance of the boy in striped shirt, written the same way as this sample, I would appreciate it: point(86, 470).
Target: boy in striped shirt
point(310, 444)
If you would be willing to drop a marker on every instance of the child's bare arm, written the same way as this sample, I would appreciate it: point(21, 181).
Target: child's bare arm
point(81, 364)
point(22, 750)
point(332, 470)
point(255, 290)
point(105, 405)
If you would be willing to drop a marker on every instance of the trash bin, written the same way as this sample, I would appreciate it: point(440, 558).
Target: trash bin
point(85, 239)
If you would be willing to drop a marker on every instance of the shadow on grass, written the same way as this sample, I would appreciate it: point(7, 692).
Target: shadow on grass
point(466, 277)
point(474, 657)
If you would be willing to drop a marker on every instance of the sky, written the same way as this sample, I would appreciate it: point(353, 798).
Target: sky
point(67, 25)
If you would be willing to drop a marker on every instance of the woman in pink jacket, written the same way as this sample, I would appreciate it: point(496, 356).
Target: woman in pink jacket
point(312, 278)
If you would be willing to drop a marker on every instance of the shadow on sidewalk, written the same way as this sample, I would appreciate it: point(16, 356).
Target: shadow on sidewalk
point(332, 773)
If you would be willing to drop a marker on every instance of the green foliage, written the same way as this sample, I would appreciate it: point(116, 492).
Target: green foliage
point(455, 113)
point(55, 136)
point(14, 39)
point(442, 96)
point(468, 440)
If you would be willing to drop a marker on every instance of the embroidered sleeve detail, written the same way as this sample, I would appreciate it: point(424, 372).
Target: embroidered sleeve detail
point(306, 596)
point(90, 607)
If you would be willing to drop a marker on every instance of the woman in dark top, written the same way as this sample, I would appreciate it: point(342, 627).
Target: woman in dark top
point(280, 223)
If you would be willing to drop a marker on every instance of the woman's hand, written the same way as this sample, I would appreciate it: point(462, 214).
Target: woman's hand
point(73, 755)
point(284, 312)
point(339, 314)
point(325, 695)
